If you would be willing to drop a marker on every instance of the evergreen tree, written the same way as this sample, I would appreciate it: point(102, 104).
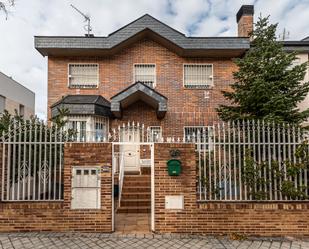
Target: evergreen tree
point(266, 86)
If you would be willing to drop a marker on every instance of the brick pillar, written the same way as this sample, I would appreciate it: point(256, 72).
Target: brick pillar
point(168, 220)
point(88, 154)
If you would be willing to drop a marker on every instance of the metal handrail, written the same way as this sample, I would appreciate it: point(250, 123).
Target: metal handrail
point(121, 176)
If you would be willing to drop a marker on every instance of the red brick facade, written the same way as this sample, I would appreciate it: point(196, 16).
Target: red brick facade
point(185, 106)
point(258, 219)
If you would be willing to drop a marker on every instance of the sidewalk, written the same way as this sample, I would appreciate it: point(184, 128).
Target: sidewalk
point(127, 241)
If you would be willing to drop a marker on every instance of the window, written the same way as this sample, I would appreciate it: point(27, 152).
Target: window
point(21, 110)
point(88, 128)
point(155, 134)
point(79, 128)
point(198, 76)
point(100, 131)
point(145, 73)
point(83, 75)
point(2, 104)
point(201, 135)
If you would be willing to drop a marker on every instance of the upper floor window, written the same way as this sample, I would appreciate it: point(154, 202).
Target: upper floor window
point(145, 73)
point(198, 75)
point(83, 75)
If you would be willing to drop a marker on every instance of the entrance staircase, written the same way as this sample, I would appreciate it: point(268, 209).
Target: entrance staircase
point(136, 192)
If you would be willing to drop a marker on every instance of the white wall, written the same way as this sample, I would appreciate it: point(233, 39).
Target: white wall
point(305, 103)
point(16, 94)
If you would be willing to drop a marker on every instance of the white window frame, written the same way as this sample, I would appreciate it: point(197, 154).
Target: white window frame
point(150, 138)
point(208, 141)
point(84, 87)
point(91, 131)
point(155, 72)
point(206, 86)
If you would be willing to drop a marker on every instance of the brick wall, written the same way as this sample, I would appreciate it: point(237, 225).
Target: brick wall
point(245, 25)
point(259, 219)
point(185, 106)
point(57, 216)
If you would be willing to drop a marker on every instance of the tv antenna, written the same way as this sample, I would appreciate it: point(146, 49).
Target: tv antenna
point(285, 35)
point(87, 27)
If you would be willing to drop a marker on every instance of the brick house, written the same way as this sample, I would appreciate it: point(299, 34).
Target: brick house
point(180, 78)
point(170, 85)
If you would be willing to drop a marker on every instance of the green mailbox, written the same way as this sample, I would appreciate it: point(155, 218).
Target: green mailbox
point(174, 167)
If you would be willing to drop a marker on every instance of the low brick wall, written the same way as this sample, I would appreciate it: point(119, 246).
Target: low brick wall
point(57, 216)
point(258, 219)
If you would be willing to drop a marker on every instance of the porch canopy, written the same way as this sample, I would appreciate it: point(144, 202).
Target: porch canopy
point(82, 105)
point(136, 92)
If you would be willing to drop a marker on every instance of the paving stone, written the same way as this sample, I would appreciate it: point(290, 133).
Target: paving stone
point(128, 241)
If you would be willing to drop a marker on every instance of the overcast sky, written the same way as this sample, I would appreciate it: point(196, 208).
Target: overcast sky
point(28, 18)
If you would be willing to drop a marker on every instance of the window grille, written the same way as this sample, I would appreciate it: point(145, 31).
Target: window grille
point(155, 134)
point(198, 76)
point(145, 73)
point(201, 135)
point(83, 75)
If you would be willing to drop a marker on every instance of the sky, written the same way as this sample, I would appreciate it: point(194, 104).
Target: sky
point(20, 60)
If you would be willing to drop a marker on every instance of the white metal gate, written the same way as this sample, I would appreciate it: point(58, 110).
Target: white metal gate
point(32, 162)
point(130, 149)
point(118, 167)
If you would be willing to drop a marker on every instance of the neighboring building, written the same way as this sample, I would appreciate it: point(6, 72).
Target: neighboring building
point(302, 50)
point(14, 96)
point(145, 72)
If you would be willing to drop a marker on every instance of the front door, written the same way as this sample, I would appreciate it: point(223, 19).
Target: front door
point(131, 149)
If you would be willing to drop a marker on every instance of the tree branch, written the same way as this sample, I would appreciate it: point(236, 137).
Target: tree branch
point(4, 6)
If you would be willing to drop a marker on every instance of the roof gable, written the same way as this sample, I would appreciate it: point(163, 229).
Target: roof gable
point(141, 27)
point(138, 91)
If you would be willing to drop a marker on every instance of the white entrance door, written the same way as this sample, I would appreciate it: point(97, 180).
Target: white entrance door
point(131, 150)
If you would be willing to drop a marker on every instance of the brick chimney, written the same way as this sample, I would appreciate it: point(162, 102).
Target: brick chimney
point(244, 19)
